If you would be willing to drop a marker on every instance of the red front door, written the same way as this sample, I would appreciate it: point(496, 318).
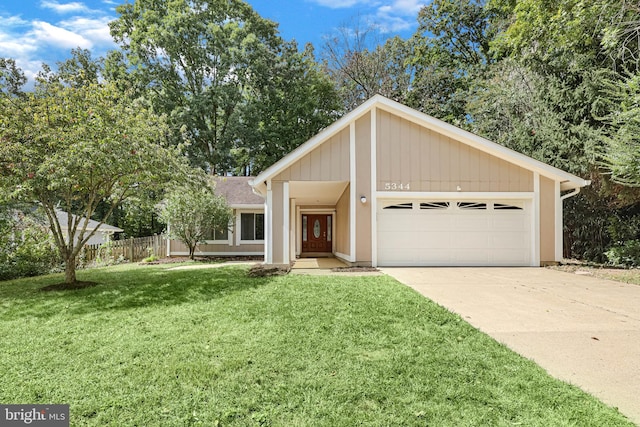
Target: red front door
point(316, 233)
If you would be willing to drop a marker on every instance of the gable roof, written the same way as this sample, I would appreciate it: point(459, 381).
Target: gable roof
point(237, 191)
point(63, 220)
point(567, 181)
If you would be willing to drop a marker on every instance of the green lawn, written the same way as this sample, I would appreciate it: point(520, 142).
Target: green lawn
point(152, 347)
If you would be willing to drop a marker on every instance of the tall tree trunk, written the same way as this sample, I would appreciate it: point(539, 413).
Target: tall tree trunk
point(192, 250)
point(70, 270)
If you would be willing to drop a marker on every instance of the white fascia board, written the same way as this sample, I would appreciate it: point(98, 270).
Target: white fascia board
point(568, 180)
point(456, 195)
point(312, 143)
point(259, 207)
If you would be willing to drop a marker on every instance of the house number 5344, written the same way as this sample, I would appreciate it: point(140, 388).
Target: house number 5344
point(396, 186)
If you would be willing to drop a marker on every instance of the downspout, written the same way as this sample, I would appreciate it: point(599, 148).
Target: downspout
point(571, 194)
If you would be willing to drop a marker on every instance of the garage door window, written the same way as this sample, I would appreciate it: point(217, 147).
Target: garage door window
point(434, 205)
point(472, 206)
point(400, 206)
point(505, 207)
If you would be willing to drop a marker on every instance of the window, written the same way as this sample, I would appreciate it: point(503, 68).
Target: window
point(504, 207)
point(218, 234)
point(434, 205)
point(400, 206)
point(472, 206)
point(251, 226)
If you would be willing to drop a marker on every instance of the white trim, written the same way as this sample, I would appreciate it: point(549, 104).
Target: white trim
point(292, 233)
point(298, 231)
point(231, 232)
point(568, 181)
point(535, 238)
point(268, 225)
point(558, 222)
point(344, 257)
point(286, 212)
point(240, 206)
point(352, 191)
point(218, 253)
point(480, 143)
point(312, 143)
point(168, 240)
point(374, 188)
point(458, 195)
point(320, 211)
point(217, 242)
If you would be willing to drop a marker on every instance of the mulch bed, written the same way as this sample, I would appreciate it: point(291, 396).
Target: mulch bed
point(354, 269)
point(261, 270)
point(203, 259)
point(68, 286)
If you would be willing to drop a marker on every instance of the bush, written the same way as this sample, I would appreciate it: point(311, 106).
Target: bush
point(625, 249)
point(26, 248)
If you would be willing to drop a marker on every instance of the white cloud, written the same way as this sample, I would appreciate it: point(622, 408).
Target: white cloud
point(94, 29)
point(399, 15)
point(59, 37)
point(390, 16)
point(72, 7)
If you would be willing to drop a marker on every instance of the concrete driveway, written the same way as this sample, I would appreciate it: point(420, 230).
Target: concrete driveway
point(583, 330)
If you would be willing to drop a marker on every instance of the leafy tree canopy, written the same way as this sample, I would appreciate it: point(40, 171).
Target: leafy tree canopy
point(72, 148)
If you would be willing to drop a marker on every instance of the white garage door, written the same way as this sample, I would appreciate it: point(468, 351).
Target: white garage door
point(454, 233)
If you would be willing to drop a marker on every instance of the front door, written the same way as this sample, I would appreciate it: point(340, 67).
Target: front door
point(316, 233)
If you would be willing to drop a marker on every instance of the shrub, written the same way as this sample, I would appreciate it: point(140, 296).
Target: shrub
point(26, 248)
point(625, 249)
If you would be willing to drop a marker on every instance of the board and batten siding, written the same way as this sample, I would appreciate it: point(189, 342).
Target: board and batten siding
point(547, 220)
point(409, 154)
point(327, 162)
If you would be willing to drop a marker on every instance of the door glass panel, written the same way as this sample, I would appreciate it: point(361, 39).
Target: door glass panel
point(329, 228)
point(316, 229)
point(304, 228)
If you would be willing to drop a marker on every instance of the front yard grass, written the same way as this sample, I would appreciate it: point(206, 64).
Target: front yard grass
point(153, 347)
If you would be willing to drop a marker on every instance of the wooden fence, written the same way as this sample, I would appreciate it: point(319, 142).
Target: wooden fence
point(132, 250)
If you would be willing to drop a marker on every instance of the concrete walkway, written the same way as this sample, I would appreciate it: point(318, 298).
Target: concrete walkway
point(325, 266)
point(583, 330)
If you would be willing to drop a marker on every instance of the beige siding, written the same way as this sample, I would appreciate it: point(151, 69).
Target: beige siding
point(342, 234)
point(179, 247)
point(408, 154)
point(363, 188)
point(278, 234)
point(547, 220)
point(327, 162)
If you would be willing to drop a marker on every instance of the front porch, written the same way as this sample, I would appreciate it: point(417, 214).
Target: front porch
point(316, 219)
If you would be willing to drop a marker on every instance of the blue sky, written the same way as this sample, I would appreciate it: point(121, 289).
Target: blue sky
point(36, 31)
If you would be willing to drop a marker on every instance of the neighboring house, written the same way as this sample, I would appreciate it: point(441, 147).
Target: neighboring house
point(389, 186)
point(104, 234)
point(245, 235)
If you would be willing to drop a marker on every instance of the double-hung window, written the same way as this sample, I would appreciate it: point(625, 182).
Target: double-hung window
point(251, 226)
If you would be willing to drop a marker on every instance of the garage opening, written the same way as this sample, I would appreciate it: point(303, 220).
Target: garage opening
point(454, 233)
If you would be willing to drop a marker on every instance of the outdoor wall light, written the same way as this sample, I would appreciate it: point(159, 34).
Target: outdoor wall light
point(363, 199)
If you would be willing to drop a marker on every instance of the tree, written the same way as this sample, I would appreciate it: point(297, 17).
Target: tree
point(621, 153)
point(449, 52)
point(361, 65)
point(193, 213)
point(72, 148)
point(219, 72)
point(285, 107)
point(197, 59)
